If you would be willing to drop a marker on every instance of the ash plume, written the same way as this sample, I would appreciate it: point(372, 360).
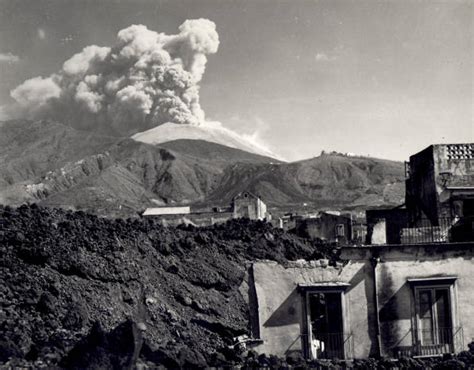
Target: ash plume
point(144, 80)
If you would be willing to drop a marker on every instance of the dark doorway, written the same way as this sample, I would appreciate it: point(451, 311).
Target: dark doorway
point(326, 336)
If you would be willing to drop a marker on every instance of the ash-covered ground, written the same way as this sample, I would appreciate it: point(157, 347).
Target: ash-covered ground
point(82, 291)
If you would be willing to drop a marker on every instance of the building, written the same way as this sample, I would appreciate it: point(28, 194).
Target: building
point(328, 226)
point(389, 300)
point(408, 294)
point(244, 205)
point(440, 183)
point(166, 211)
point(384, 225)
point(439, 200)
point(248, 205)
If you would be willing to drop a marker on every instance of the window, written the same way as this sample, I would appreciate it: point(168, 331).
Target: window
point(434, 316)
point(435, 332)
point(340, 230)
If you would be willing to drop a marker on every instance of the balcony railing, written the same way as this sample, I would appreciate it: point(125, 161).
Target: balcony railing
point(445, 230)
point(332, 346)
point(433, 343)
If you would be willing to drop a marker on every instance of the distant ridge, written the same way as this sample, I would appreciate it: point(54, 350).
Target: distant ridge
point(56, 165)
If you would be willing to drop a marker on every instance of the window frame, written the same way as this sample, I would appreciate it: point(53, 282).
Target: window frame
point(341, 227)
point(432, 284)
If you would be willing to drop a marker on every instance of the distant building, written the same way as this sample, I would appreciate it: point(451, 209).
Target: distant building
point(244, 205)
point(248, 205)
point(161, 211)
point(328, 226)
point(288, 221)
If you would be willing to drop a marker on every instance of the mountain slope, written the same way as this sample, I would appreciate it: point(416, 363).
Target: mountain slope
point(56, 165)
point(328, 180)
point(205, 150)
point(30, 149)
point(209, 131)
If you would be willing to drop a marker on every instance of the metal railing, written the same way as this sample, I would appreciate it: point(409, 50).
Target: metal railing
point(433, 343)
point(332, 346)
point(444, 230)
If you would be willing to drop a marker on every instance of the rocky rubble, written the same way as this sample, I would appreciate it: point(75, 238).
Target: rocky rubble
point(81, 291)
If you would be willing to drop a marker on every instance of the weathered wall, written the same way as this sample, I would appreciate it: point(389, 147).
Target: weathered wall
point(395, 220)
point(278, 306)
point(246, 205)
point(199, 219)
point(421, 196)
point(377, 232)
point(458, 160)
point(396, 306)
point(426, 189)
point(395, 295)
point(250, 206)
point(262, 210)
point(282, 323)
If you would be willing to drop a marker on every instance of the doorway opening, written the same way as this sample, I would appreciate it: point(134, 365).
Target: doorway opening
point(326, 338)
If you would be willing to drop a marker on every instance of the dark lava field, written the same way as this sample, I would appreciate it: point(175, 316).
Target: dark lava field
point(79, 291)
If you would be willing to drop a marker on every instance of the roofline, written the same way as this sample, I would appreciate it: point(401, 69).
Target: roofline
point(438, 145)
point(249, 192)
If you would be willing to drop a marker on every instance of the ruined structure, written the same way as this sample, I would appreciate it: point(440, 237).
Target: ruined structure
point(394, 301)
point(440, 182)
point(385, 225)
point(327, 226)
point(439, 201)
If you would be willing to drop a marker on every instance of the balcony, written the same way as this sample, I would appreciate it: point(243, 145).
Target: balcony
point(447, 230)
point(430, 343)
point(332, 346)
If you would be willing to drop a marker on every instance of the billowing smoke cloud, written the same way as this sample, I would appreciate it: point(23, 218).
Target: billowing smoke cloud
point(146, 79)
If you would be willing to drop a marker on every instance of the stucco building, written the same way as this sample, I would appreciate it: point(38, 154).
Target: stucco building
point(390, 300)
